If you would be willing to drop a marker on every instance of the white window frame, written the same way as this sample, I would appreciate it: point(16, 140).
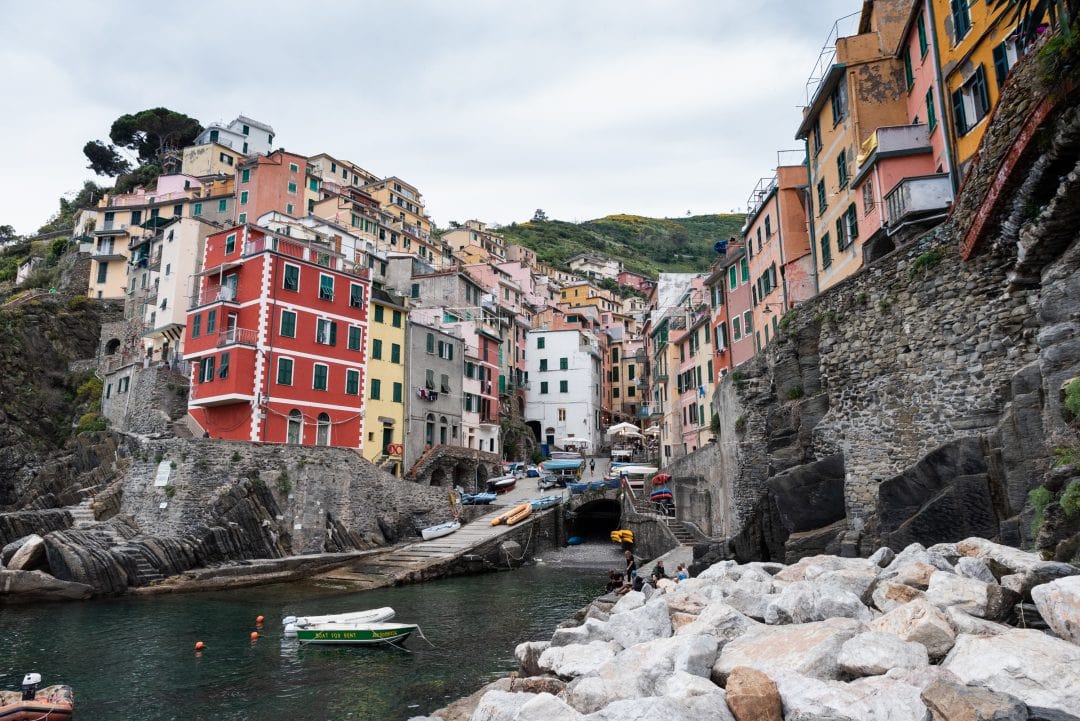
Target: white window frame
point(349, 372)
point(333, 291)
point(314, 369)
point(292, 371)
point(298, 274)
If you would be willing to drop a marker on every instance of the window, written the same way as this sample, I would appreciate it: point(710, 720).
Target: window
point(430, 345)
point(284, 371)
point(564, 386)
point(842, 169)
point(206, 369)
point(822, 198)
point(102, 272)
point(562, 414)
point(868, 196)
point(736, 328)
point(356, 295)
point(375, 392)
point(744, 265)
point(325, 332)
point(291, 277)
point(415, 292)
point(921, 26)
point(838, 102)
point(288, 324)
point(242, 218)
point(223, 205)
point(826, 251)
point(971, 102)
point(429, 379)
point(444, 383)
point(748, 322)
point(397, 393)
point(356, 338)
point(564, 364)
point(230, 243)
point(376, 348)
point(540, 342)
point(396, 320)
point(245, 175)
point(292, 188)
point(294, 168)
point(543, 364)
point(136, 217)
point(243, 197)
point(320, 376)
point(196, 326)
point(1005, 56)
point(768, 230)
point(213, 136)
point(326, 287)
point(289, 209)
point(961, 18)
point(322, 427)
point(543, 387)
point(395, 353)
point(931, 114)
point(196, 209)
point(909, 74)
point(211, 321)
point(851, 220)
point(379, 310)
point(815, 133)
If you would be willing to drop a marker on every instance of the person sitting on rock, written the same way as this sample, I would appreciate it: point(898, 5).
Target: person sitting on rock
point(631, 565)
point(681, 574)
point(615, 581)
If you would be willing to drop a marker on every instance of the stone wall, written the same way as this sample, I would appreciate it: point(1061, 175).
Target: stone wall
point(148, 400)
point(932, 376)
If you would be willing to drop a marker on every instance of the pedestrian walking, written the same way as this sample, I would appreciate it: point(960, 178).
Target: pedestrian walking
point(592, 466)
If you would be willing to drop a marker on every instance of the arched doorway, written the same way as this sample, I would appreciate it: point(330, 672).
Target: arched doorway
point(295, 432)
point(464, 475)
point(322, 430)
point(443, 426)
point(549, 436)
point(438, 477)
point(534, 427)
point(112, 346)
point(595, 519)
point(429, 429)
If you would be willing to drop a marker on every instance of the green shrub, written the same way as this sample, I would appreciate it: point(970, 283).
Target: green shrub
point(927, 261)
point(89, 391)
point(170, 490)
point(740, 424)
point(77, 302)
point(92, 421)
point(1072, 397)
point(159, 457)
point(788, 319)
point(1064, 456)
point(714, 423)
point(1059, 58)
point(1070, 499)
point(1039, 498)
point(284, 484)
point(235, 457)
point(794, 393)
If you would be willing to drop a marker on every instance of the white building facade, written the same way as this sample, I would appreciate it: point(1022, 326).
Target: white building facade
point(243, 135)
point(563, 398)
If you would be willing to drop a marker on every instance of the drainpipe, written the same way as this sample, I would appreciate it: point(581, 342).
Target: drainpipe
point(780, 243)
point(947, 121)
point(810, 215)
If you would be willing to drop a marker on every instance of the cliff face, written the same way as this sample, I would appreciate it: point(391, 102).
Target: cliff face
point(921, 400)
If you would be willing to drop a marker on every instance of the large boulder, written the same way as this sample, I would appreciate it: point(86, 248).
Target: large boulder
point(752, 696)
point(702, 707)
point(985, 600)
point(720, 620)
point(646, 623)
point(571, 661)
point(28, 586)
point(528, 657)
point(921, 622)
point(877, 698)
point(29, 556)
point(545, 707)
point(808, 601)
point(887, 595)
point(591, 630)
point(500, 706)
point(1041, 671)
point(1059, 605)
point(875, 653)
point(949, 701)
point(807, 648)
point(1006, 560)
point(974, 568)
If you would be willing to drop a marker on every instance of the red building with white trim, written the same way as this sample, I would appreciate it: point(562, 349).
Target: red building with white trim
point(276, 333)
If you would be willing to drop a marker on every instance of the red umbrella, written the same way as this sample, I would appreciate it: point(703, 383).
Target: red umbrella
point(661, 478)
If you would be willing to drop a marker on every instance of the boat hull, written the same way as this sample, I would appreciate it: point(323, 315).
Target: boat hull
point(545, 502)
point(359, 636)
point(522, 512)
point(374, 615)
point(55, 703)
point(443, 529)
point(513, 512)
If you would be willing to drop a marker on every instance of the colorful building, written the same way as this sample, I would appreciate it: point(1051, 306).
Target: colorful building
point(271, 182)
point(277, 337)
point(857, 86)
point(435, 381)
point(732, 318)
point(243, 135)
point(387, 398)
point(474, 242)
point(778, 249)
point(564, 398)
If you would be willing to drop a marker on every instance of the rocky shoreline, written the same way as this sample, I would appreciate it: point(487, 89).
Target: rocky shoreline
point(966, 631)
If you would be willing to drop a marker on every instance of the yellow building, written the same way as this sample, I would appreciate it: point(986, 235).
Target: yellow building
point(581, 294)
point(475, 240)
point(384, 419)
point(976, 47)
point(857, 86)
point(210, 159)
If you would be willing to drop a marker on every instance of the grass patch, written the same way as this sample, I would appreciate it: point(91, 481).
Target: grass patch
point(795, 393)
point(1064, 456)
point(1072, 397)
point(927, 261)
point(91, 422)
point(1070, 499)
point(1039, 498)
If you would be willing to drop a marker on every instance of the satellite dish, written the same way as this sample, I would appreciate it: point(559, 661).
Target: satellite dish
point(720, 247)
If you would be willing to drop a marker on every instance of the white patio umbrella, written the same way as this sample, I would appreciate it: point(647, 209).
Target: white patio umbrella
point(573, 442)
point(623, 429)
point(654, 431)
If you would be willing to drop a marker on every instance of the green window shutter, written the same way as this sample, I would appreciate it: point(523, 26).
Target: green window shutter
point(313, 183)
point(543, 364)
point(931, 115)
point(564, 386)
point(196, 324)
point(284, 372)
point(222, 205)
point(352, 382)
point(540, 342)
point(395, 353)
point(288, 324)
point(982, 93)
point(197, 210)
point(292, 278)
point(709, 370)
point(564, 364)
point(379, 314)
point(376, 389)
point(243, 197)
point(397, 393)
point(355, 338)
point(853, 222)
point(921, 26)
point(396, 317)
point(431, 343)
point(909, 74)
point(958, 112)
point(326, 287)
point(1001, 64)
point(826, 251)
point(543, 387)
point(356, 295)
point(733, 276)
point(822, 200)
point(376, 349)
point(320, 377)
point(333, 333)
point(744, 264)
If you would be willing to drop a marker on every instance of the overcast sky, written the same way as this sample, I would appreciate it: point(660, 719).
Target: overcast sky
point(493, 108)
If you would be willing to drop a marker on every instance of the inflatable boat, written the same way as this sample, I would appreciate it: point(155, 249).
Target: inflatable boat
point(521, 510)
point(443, 529)
point(56, 703)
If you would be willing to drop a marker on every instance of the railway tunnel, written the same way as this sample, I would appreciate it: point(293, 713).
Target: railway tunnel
point(594, 520)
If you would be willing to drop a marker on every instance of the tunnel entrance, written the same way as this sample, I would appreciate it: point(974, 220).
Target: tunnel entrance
point(594, 520)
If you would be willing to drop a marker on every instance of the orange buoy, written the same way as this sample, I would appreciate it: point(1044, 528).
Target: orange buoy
point(259, 620)
point(199, 645)
point(254, 635)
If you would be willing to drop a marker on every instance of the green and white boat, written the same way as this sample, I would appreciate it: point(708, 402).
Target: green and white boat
point(356, 634)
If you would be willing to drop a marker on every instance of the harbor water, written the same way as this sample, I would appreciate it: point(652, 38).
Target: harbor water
point(133, 658)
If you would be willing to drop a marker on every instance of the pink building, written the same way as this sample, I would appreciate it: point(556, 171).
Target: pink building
point(636, 280)
point(778, 246)
point(728, 288)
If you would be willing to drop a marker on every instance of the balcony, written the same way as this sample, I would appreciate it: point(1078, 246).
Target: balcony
point(237, 336)
point(155, 262)
point(112, 228)
point(107, 251)
point(915, 199)
point(894, 140)
point(213, 294)
point(220, 391)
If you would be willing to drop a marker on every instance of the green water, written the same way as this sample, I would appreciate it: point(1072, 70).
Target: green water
point(132, 658)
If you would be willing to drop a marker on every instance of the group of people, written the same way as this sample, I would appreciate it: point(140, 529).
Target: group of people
point(630, 580)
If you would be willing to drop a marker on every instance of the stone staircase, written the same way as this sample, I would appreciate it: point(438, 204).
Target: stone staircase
point(682, 534)
point(81, 514)
point(145, 573)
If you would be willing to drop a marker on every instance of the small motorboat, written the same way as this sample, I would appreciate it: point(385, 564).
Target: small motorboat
point(356, 634)
point(543, 483)
point(502, 484)
point(443, 529)
point(516, 510)
point(477, 499)
point(577, 488)
point(532, 472)
point(539, 504)
point(374, 615)
point(56, 703)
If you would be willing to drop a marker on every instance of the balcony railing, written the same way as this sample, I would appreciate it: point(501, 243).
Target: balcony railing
point(322, 255)
point(237, 336)
point(917, 198)
point(213, 294)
